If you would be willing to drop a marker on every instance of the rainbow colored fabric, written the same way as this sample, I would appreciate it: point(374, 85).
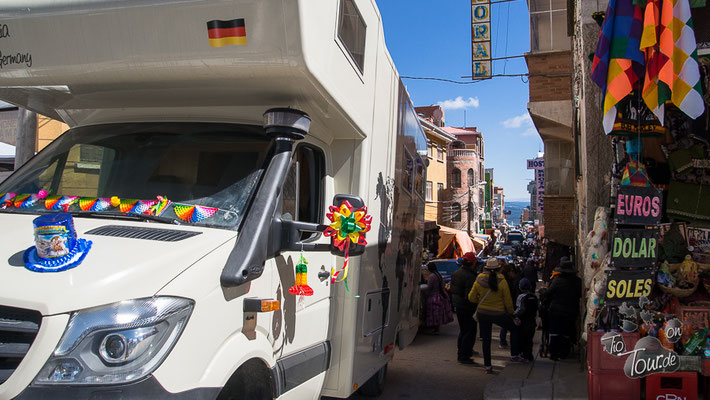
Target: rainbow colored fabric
point(618, 60)
point(192, 213)
point(673, 74)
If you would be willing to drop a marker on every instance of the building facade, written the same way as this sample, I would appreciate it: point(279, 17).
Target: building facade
point(552, 111)
point(498, 211)
point(465, 171)
point(438, 141)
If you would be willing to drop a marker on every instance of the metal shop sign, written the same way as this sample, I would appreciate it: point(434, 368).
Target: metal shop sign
point(634, 248)
point(481, 38)
point(624, 285)
point(536, 163)
point(647, 357)
point(638, 205)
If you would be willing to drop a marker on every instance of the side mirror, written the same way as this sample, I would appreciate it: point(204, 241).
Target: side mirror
point(336, 246)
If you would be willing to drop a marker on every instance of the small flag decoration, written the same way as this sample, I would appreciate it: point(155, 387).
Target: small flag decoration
point(127, 205)
point(6, 198)
point(94, 204)
point(143, 207)
point(193, 214)
point(224, 33)
point(59, 202)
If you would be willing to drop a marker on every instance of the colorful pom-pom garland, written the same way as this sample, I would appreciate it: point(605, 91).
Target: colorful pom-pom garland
point(187, 212)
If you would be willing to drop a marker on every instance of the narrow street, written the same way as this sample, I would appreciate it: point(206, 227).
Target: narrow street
point(428, 369)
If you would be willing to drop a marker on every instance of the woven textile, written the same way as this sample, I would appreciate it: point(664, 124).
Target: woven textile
point(672, 72)
point(618, 59)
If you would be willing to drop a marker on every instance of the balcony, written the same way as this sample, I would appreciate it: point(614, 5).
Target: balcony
point(463, 153)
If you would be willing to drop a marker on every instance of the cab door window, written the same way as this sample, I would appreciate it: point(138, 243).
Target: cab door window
point(303, 197)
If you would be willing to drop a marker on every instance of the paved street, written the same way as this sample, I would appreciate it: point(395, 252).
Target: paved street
point(428, 369)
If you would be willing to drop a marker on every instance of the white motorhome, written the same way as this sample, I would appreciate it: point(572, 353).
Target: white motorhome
point(251, 117)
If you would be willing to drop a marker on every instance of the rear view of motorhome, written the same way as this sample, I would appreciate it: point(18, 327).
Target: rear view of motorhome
point(173, 243)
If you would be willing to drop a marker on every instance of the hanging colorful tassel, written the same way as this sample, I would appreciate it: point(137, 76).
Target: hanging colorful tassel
point(301, 287)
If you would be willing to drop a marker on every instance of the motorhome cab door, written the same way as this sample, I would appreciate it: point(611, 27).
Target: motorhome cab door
point(300, 327)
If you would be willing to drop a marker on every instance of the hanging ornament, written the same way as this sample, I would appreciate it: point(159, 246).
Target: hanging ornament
point(301, 287)
point(192, 213)
point(347, 226)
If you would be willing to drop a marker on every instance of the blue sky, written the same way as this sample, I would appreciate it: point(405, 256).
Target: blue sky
point(433, 39)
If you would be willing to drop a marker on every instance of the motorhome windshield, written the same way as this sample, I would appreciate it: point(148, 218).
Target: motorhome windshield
point(200, 174)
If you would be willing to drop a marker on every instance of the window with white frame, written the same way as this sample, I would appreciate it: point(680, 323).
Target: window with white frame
point(429, 189)
point(548, 25)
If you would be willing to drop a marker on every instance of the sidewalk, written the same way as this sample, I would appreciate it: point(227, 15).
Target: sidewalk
point(541, 379)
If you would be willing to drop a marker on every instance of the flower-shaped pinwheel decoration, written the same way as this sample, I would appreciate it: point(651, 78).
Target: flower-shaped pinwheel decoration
point(347, 225)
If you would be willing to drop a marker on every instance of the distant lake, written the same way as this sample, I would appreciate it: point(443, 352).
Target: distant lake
point(516, 210)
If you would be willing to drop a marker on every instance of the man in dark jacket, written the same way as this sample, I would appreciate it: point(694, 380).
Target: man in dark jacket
point(562, 301)
point(462, 281)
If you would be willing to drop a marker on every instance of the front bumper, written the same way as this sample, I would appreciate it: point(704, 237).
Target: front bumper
point(146, 389)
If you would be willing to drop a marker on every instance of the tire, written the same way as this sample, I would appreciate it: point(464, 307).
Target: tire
point(252, 381)
point(375, 385)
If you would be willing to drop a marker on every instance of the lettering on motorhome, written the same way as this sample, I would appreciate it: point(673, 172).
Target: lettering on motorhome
point(4, 31)
point(15, 59)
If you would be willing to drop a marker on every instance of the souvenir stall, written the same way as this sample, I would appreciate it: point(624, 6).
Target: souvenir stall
point(647, 259)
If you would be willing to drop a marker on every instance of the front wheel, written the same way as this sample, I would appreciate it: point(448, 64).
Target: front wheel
point(376, 384)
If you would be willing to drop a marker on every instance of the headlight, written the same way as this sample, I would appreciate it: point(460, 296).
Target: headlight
point(117, 343)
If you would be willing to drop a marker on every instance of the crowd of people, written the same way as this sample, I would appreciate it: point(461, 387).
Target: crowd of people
point(510, 295)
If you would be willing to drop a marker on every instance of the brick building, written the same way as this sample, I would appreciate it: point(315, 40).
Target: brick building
point(551, 109)
point(465, 171)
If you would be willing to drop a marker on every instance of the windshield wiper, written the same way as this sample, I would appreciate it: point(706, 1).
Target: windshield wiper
point(134, 217)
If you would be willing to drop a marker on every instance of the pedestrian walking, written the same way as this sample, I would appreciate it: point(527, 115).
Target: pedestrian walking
point(562, 300)
point(495, 306)
point(462, 281)
point(524, 316)
point(530, 272)
point(438, 305)
point(511, 277)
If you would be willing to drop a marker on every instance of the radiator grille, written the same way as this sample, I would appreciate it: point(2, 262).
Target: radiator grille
point(18, 329)
point(134, 232)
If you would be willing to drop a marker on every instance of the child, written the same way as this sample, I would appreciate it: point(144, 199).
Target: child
point(524, 317)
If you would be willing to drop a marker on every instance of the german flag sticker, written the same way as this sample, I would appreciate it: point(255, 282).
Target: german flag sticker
point(224, 33)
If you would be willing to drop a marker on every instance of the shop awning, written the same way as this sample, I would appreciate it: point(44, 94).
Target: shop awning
point(454, 243)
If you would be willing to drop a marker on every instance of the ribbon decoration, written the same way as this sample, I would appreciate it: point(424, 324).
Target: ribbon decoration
point(347, 226)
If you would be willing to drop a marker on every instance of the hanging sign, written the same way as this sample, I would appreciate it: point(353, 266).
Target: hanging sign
point(638, 205)
point(481, 39)
point(634, 248)
point(623, 285)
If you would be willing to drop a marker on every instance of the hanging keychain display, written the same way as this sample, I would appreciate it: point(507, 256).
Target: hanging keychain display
point(301, 286)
